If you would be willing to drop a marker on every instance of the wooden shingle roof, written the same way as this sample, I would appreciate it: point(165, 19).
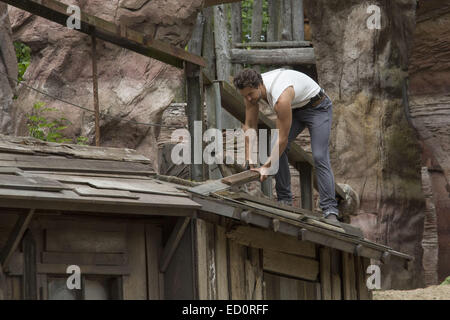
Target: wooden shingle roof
point(51, 176)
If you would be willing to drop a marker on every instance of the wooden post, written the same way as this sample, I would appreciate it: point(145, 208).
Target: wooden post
point(306, 184)
point(29, 281)
point(95, 87)
point(298, 21)
point(194, 114)
point(194, 102)
point(236, 30)
point(257, 25)
point(286, 21)
point(223, 61)
point(274, 13)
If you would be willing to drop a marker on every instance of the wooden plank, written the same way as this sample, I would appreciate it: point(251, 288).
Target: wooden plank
point(33, 146)
point(201, 254)
point(278, 57)
point(78, 240)
point(257, 16)
point(306, 184)
point(348, 275)
point(361, 286)
point(14, 238)
point(266, 239)
point(209, 3)
point(91, 192)
point(274, 7)
point(221, 264)
point(134, 285)
point(153, 246)
point(30, 183)
point(107, 31)
point(327, 241)
point(241, 178)
point(236, 267)
point(223, 63)
point(272, 204)
point(336, 274)
point(236, 30)
point(254, 275)
point(290, 265)
point(286, 20)
point(298, 21)
point(29, 280)
point(325, 273)
point(107, 259)
point(59, 269)
point(173, 241)
point(211, 261)
point(274, 44)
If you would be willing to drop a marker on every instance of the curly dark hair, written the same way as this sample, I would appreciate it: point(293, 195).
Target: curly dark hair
point(247, 78)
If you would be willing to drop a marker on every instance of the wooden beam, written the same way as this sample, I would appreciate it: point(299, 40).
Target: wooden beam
point(29, 281)
point(325, 273)
point(265, 239)
point(209, 3)
point(172, 243)
point(274, 44)
point(285, 56)
point(241, 178)
point(290, 265)
point(16, 235)
point(120, 35)
point(95, 90)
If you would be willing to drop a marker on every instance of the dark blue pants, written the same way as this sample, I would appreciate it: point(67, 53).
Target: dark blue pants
point(318, 120)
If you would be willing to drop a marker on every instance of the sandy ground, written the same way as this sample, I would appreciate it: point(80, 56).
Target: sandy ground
point(441, 292)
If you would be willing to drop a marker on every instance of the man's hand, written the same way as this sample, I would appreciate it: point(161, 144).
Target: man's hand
point(263, 171)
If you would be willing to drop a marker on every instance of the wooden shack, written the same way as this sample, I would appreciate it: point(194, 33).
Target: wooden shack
point(137, 235)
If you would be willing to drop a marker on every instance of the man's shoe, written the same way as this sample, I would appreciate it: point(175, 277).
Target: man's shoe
point(285, 202)
point(331, 215)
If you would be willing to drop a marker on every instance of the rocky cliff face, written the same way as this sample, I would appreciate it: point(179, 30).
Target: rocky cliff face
point(131, 86)
point(429, 107)
point(374, 148)
point(8, 68)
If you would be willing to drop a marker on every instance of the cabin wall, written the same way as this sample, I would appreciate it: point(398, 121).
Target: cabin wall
point(118, 258)
point(244, 262)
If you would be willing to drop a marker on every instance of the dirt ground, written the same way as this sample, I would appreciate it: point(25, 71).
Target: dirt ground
point(440, 292)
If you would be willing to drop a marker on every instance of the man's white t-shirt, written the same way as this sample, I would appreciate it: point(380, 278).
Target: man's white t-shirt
point(305, 88)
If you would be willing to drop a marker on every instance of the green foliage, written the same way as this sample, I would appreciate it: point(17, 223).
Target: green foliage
point(42, 128)
point(247, 14)
point(446, 281)
point(23, 54)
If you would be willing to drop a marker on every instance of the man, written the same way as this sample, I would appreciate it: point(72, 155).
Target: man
point(298, 102)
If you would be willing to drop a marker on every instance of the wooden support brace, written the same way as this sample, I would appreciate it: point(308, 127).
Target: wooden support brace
point(16, 235)
point(172, 243)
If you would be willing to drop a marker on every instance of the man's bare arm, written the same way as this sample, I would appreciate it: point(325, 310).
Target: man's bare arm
point(283, 109)
point(251, 122)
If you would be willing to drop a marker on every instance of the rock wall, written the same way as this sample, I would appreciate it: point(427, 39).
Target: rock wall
point(131, 86)
point(8, 68)
point(429, 106)
point(374, 148)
